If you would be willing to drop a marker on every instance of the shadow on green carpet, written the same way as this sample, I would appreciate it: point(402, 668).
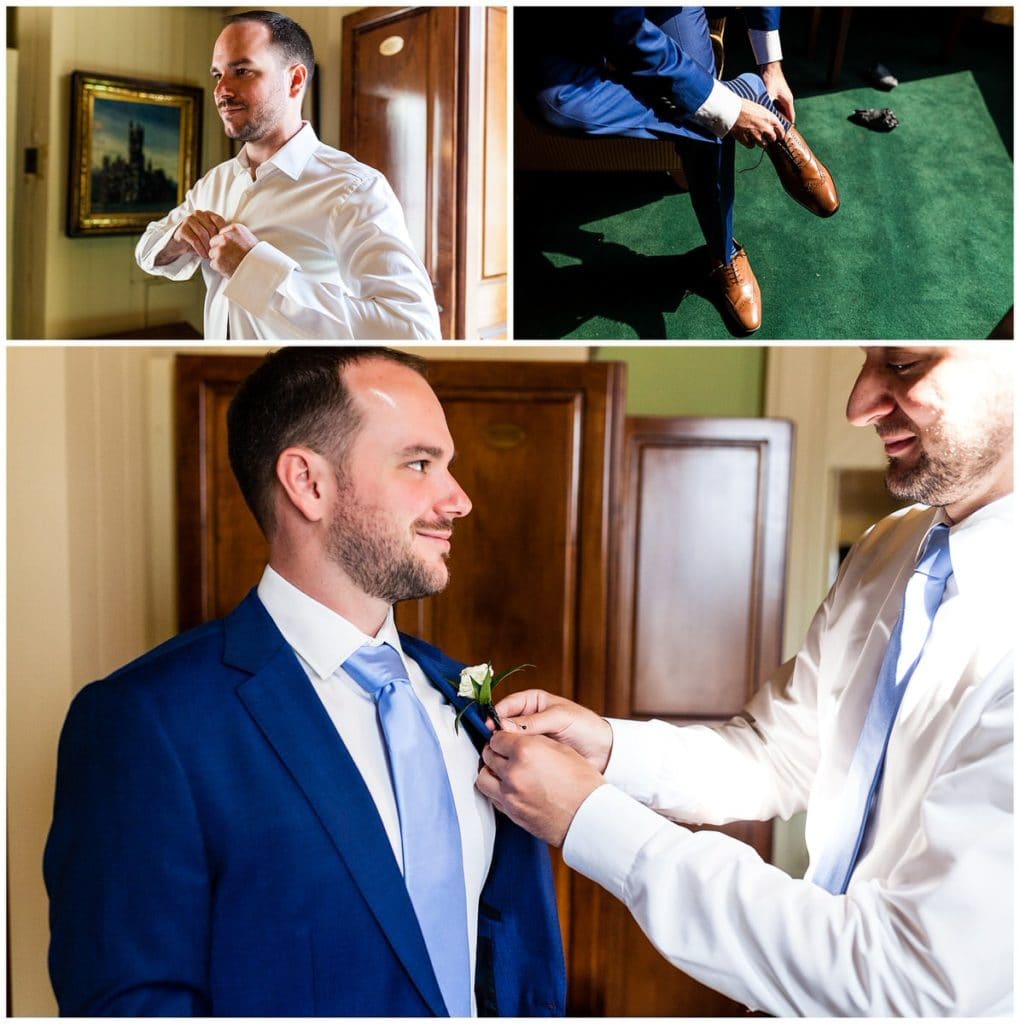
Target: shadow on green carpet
point(922, 247)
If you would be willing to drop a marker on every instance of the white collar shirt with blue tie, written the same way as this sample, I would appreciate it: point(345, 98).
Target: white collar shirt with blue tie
point(926, 926)
point(323, 641)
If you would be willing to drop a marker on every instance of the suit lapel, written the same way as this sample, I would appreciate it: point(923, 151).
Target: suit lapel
point(290, 715)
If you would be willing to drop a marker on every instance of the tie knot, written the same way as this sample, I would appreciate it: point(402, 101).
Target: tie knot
point(934, 560)
point(374, 666)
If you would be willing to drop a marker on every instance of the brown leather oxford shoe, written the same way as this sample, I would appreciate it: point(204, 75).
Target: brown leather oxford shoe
point(805, 178)
point(739, 291)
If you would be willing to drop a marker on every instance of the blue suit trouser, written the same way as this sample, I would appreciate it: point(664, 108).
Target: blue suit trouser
point(582, 99)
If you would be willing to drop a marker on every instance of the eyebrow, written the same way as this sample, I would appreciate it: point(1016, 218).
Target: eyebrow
point(235, 63)
point(424, 449)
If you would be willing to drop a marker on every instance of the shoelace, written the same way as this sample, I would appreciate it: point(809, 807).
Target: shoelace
point(784, 147)
point(729, 270)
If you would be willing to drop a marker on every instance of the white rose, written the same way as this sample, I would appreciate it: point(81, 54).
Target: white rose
point(473, 677)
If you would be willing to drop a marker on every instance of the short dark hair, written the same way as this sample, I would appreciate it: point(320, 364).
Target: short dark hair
point(285, 34)
point(296, 396)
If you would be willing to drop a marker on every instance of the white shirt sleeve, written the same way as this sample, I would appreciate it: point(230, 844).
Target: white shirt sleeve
point(766, 45)
point(386, 293)
point(933, 938)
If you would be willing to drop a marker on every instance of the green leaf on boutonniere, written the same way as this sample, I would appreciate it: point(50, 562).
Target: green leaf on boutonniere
point(478, 682)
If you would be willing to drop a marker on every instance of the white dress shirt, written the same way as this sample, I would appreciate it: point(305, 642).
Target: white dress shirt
point(323, 641)
point(926, 926)
point(334, 260)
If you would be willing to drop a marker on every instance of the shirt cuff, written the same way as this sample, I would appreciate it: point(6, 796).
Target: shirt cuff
point(766, 45)
point(257, 278)
point(625, 770)
point(607, 835)
point(180, 269)
point(719, 112)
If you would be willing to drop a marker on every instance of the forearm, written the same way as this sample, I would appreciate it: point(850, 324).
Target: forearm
point(718, 912)
point(755, 767)
point(158, 253)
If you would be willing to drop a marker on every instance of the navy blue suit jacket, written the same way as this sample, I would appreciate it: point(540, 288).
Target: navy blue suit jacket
point(215, 851)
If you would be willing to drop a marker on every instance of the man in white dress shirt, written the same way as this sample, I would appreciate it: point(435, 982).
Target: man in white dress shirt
point(925, 925)
point(295, 240)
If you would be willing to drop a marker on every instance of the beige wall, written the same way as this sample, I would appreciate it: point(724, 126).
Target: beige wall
point(81, 287)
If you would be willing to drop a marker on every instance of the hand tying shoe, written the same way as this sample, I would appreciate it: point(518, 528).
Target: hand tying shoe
point(738, 289)
point(805, 178)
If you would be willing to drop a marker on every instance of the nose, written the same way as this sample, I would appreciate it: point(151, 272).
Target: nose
point(870, 399)
point(221, 89)
point(455, 504)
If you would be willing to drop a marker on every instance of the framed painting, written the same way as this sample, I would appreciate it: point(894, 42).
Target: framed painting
point(134, 152)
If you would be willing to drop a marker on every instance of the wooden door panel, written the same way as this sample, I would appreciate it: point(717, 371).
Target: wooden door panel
point(220, 550)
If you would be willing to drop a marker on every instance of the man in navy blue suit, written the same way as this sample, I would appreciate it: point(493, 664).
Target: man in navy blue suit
point(649, 73)
point(233, 832)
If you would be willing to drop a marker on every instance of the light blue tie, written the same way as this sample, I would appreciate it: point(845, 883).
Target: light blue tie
point(429, 832)
point(920, 603)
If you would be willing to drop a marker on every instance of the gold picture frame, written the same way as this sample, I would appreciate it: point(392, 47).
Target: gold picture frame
point(134, 152)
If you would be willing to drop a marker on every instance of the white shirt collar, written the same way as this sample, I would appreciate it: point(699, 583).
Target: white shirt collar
point(291, 158)
point(321, 637)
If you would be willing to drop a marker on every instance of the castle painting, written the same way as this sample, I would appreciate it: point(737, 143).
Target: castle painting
point(135, 156)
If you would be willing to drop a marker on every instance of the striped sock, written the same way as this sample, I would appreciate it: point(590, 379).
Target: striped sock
point(750, 87)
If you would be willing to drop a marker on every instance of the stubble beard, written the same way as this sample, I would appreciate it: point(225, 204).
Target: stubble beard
point(380, 562)
point(950, 468)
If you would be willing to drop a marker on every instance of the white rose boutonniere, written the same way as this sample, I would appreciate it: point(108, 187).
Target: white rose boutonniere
point(478, 682)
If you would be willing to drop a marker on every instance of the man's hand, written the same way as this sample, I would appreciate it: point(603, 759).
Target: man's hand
point(194, 234)
point(540, 713)
point(536, 782)
point(756, 125)
point(229, 247)
point(776, 84)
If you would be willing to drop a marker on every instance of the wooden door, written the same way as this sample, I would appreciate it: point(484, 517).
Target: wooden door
point(697, 626)
point(424, 101)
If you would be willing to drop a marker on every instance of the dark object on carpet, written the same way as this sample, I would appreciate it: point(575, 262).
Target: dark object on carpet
point(878, 120)
point(881, 77)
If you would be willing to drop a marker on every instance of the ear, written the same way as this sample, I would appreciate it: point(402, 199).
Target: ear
point(298, 78)
point(307, 481)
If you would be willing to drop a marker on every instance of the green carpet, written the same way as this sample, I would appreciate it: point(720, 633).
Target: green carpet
point(922, 247)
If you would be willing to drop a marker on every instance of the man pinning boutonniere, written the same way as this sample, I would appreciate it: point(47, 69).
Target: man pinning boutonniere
point(478, 682)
